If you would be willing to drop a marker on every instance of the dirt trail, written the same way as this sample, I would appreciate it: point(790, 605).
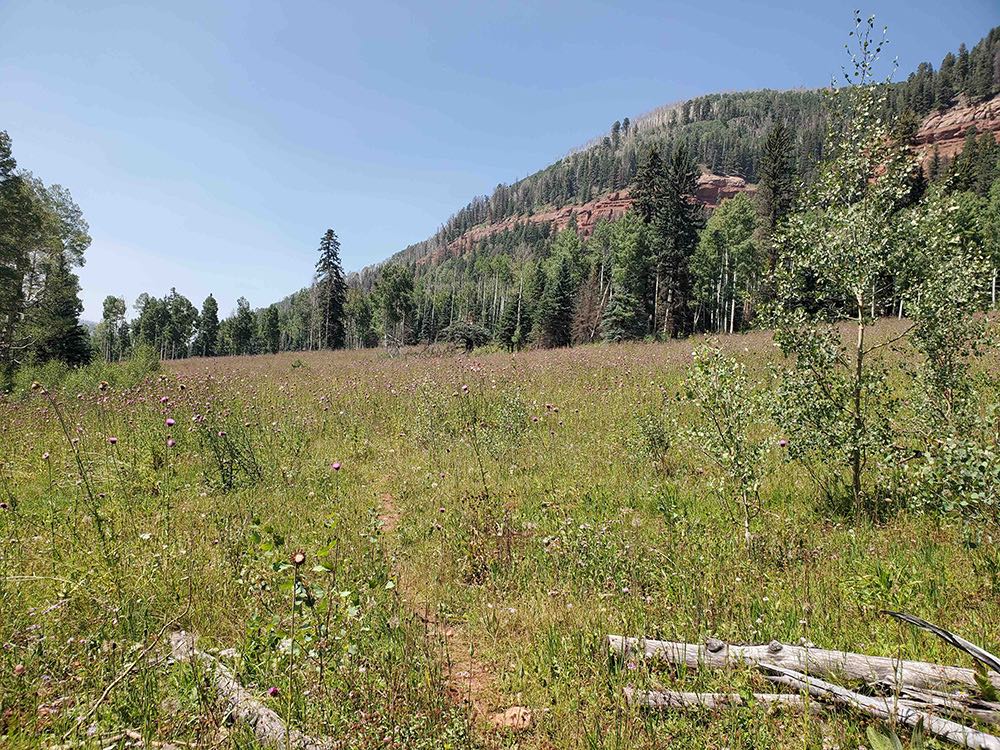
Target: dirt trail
point(468, 681)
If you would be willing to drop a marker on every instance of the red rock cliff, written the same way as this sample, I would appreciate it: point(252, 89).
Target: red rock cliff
point(946, 129)
point(712, 189)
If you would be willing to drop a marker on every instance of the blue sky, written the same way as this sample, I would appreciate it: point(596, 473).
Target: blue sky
point(210, 144)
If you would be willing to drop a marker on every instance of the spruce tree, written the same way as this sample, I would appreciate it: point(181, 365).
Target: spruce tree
point(206, 341)
point(675, 229)
point(510, 322)
point(270, 329)
point(54, 327)
point(776, 186)
point(556, 309)
point(332, 290)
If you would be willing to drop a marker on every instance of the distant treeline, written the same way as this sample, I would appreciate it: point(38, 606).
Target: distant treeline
point(664, 269)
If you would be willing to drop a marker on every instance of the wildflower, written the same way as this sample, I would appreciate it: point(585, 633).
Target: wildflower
point(171, 442)
point(169, 422)
point(783, 443)
point(112, 440)
point(222, 433)
point(45, 456)
point(298, 558)
point(164, 399)
point(19, 670)
point(273, 691)
point(335, 465)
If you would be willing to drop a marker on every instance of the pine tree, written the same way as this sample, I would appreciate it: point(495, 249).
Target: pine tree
point(54, 326)
point(776, 186)
point(206, 340)
point(675, 229)
point(556, 309)
point(624, 316)
point(242, 328)
point(332, 291)
point(510, 322)
point(270, 329)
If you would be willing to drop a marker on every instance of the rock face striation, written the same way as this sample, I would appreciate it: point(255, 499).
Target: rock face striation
point(945, 130)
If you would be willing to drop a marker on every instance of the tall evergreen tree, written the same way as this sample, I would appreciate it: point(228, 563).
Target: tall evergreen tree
point(270, 329)
point(674, 226)
point(332, 291)
point(556, 309)
point(776, 188)
point(242, 328)
point(54, 326)
point(206, 340)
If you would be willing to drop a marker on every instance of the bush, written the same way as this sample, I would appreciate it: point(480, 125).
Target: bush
point(56, 375)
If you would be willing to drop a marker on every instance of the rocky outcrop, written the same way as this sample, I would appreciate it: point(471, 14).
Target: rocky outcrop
point(945, 130)
point(712, 189)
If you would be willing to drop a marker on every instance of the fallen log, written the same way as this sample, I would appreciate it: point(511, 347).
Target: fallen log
point(956, 705)
point(660, 700)
point(715, 654)
point(981, 655)
point(244, 707)
point(887, 709)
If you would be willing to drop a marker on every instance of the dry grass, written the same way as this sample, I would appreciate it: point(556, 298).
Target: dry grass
point(526, 513)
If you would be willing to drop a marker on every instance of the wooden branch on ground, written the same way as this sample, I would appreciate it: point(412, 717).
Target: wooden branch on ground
point(957, 705)
point(660, 700)
point(244, 707)
point(983, 656)
point(809, 660)
point(886, 709)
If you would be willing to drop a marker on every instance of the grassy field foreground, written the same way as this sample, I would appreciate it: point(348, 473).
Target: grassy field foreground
point(472, 528)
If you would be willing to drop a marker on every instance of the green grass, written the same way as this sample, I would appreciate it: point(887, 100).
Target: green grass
point(536, 513)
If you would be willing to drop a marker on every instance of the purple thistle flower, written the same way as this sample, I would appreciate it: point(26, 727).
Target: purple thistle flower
point(335, 465)
point(273, 691)
point(112, 440)
point(171, 442)
point(169, 422)
point(783, 443)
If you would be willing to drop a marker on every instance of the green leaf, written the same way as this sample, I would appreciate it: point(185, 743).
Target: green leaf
point(987, 690)
point(880, 741)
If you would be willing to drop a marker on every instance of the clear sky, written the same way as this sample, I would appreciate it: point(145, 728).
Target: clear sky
point(210, 144)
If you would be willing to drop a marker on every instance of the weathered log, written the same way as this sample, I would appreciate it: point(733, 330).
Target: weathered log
point(244, 707)
point(887, 709)
point(956, 705)
point(662, 700)
point(666, 699)
point(809, 660)
point(981, 655)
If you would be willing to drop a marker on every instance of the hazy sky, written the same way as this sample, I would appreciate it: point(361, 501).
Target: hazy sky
point(210, 144)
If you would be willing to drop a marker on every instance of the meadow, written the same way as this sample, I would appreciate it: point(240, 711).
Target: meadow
point(391, 550)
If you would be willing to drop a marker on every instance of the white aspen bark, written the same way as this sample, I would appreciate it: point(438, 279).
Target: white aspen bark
point(732, 306)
